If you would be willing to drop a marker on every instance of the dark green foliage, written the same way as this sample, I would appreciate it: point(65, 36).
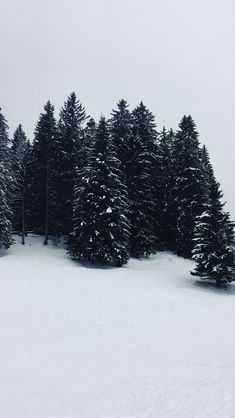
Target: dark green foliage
point(187, 192)
point(140, 183)
point(134, 135)
point(70, 135)
point(86, 144)
point(214, 241)
point(121, 132)
point(6, 186)
point(20, 153)
point(29, 164)
point(41, 160)
point(55, 185)
point(100, 226)
point(164, 175)
point(207, 171)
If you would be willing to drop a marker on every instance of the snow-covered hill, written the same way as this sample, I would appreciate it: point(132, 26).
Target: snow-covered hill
point(143, 341)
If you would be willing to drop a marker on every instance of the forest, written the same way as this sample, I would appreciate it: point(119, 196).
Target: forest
point(116, 188)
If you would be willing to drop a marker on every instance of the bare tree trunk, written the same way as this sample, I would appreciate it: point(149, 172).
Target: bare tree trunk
point(47, 205)
point(23, 220)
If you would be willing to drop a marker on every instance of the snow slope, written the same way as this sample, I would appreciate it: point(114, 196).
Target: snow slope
point(143, 341)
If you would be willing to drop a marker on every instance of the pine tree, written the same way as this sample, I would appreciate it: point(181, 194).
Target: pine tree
point(140, 183)
point(86, 144)
point(42, 147)
point(20, 149)
point(6, 182)
point(207, 171)
point(121, 132)
point(29, 166)
point(164, 183)
point(187, 192)
point(72, 117)
point(100, 226)
point(214, 241)
point(55, 183)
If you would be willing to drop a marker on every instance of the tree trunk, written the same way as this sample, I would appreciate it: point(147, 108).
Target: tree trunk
point(23, 221)
point(47, 205)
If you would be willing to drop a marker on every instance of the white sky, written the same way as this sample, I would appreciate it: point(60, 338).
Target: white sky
point(178, 56)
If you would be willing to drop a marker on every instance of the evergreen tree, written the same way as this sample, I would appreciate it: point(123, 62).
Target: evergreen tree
point(214, 241)
point(207, 171)
point(187, 192)
point(20, 149)
point(42, 153)
point(56, 199)
point(86, 144)
point(29, 165)
point(6, 182)
point(121, 132)
point(140, 183)
point(70, 134)
point(164, 183)
point(100, 226)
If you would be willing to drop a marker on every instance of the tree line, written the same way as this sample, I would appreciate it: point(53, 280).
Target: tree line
point(116, 188)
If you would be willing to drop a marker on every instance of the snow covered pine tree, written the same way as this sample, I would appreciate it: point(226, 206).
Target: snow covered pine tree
point(121, 132)
point(187, 191)
point(85, 144)
point(70, 135)
point(100, 225)
point(214, 241)
point(140, 183)
point(6, 183)
point(42, 146)
point(164, 180)
point(20, 150)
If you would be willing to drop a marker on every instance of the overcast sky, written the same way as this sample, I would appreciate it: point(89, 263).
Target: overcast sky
point(178, 56)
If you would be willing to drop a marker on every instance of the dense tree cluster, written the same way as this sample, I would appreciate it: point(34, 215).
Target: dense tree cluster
point(117, 189)
point(6, 186)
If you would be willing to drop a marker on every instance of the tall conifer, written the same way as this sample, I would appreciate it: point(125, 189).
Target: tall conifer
point(20, 152)
point(41, 187)
point(100, 225)
point(70, 134)
point(140, 183)
point(214, 241)
point(164, 180)
point(6, 183)
point(187, 191)
point(121, 132)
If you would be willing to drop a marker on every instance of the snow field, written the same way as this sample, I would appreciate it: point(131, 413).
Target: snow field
point(142, 341)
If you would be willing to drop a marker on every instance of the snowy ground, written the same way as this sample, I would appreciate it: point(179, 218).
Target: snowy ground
point(143, 341)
